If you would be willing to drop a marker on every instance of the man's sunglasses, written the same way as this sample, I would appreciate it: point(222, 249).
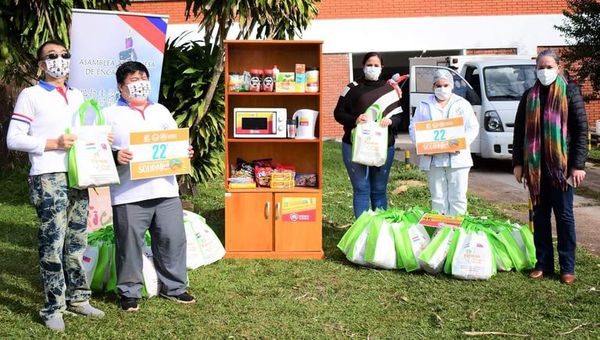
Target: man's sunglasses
point(53, 56)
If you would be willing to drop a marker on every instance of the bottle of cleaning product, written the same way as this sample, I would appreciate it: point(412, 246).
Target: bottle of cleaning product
point(275, 73)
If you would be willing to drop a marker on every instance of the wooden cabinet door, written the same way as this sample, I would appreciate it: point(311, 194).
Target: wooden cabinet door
point(249, 221)
point(298, 221)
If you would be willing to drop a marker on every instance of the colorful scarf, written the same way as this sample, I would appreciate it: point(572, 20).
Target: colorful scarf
point(555, 137)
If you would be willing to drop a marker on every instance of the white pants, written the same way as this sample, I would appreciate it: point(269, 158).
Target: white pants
point(448, 188)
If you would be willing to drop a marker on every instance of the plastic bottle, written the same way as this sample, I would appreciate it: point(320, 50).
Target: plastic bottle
point(268, 84)
point(254, 80)
point(275, 73)
point(312, 80)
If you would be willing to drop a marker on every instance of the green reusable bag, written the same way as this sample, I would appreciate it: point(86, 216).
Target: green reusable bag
point(517, 257)
point(452, 249)
point(104, 253)
point(412, 241)
point(97, 167)
point(346, 244)
point(395, 227)
point(111, 283)
point(527, 237)
point(369, 141)
point(374, 230)
point(503, 259)
point(433, 257)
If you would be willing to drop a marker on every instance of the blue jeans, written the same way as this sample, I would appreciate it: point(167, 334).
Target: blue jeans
point(561, 202)
point(371, 185)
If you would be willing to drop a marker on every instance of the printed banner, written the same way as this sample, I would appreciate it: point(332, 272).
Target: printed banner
point(100, 208)
point(440, 136)
point(159, 153)
point(439, 221)
point(298, 209)
point(103, 40)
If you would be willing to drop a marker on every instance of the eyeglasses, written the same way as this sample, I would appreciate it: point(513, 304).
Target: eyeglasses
point(52, 56)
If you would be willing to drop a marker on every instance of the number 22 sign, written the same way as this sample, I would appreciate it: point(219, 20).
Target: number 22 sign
point(440, 136)
point(159, 153)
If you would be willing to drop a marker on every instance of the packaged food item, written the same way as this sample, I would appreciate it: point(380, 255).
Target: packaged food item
point(268, 83)
point(240, 180)
point(275, 73)
point(248, 185)
point(246, 81)
point(285, 82)
point(255, 80)
point(312, 80)
point(306, 180)
point(300, 78)
point(262, 172)
point(242, 170)
point(235, 82)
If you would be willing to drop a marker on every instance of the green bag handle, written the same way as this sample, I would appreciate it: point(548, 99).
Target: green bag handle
point(395, 229)
point(376, 108)
point(451, 251)
point(372, 237)
point(94, 104)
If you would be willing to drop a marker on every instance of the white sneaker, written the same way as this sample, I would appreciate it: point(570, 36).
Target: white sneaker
point(86, 309)
point(55, 323)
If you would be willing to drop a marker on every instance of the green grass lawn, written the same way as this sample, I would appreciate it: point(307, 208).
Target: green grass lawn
point(594, 155)
point(304, 299)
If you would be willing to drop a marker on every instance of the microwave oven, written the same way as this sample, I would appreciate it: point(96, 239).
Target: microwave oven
point(259, 122)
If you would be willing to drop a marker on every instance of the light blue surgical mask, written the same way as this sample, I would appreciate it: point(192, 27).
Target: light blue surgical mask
point(372, 72)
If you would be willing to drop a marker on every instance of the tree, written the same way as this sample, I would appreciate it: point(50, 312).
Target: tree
point(582, 32)
point(24, 25)
point(192, 84)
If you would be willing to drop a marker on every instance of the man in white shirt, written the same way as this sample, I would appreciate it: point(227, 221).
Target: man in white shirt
point(42, 114)
point(146, 204)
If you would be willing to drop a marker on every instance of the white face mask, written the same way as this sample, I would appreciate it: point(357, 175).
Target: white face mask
point(139, 90)
point(57, 68)
point(443, 93)
point(372, 72)
point(547, 75)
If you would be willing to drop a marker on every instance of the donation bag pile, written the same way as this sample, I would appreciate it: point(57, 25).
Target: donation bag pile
point(203, 247)
point(394, 239)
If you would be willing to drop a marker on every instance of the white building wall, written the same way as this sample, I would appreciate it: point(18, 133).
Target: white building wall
point(524, 32)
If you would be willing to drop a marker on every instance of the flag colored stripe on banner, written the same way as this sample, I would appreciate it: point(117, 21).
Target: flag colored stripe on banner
point(159, 23)
point(146, 29)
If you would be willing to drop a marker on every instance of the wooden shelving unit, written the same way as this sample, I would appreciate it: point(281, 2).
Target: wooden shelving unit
point(260, 222)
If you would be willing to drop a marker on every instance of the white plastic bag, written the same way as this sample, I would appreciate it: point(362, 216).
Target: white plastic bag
point(194, 254)
point(151, 282)
point(208, 247)
point(473, 258)
point(90, 259)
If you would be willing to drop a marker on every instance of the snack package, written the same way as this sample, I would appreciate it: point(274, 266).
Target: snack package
point(262, 172)
point(306, 180)
point(242, 169)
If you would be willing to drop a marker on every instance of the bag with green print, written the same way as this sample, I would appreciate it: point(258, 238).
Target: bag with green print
point(90, 159)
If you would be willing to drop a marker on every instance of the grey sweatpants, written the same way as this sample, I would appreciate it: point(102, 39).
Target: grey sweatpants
point(164, 218)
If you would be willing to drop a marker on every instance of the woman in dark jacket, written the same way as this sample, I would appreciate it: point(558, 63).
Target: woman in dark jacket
point(549, 153)
point(368, 183)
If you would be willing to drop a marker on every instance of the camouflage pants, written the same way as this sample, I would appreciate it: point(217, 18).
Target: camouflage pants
point(62, 240)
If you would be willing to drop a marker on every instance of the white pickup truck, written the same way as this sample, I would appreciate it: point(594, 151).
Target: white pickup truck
point(493, 84)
